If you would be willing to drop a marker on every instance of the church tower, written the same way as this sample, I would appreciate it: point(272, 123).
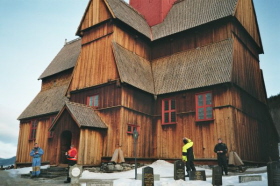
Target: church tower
point(154, 11)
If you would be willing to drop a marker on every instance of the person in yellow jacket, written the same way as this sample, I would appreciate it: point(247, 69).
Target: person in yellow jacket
point(187, 155)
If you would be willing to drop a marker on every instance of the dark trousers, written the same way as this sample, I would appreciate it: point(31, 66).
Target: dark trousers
point(190, 166)
point(70, 163)
point(222, 162)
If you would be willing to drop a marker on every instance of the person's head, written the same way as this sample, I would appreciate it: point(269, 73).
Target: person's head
point(72, 146)
point(185, 140)
point(219, 140)
point(35, 145)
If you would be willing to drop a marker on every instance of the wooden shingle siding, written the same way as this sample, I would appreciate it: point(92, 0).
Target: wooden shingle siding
point(64, 60)
point(46, 102)
point(133, 69)
point(196, 12)
point(57, 80)
point(195, 68)
point(122, 11)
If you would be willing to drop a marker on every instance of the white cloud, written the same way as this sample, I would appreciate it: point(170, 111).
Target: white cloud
point(9, 126)
point(8, 150)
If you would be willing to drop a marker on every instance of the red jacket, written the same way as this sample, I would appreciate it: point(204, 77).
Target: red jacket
point(72, 154)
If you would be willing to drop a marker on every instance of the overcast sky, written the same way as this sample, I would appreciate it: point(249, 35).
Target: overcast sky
point(33, 31)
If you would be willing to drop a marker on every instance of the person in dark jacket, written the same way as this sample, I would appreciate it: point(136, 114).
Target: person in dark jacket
point(221, 150)
point(187, 155)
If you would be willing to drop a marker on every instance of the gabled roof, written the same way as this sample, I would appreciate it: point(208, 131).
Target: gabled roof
point(46, 102)
point(83, 115)
point(65, 59)
point(130, 16)
point(133, 69)
point(205, 66)
point(191, 13)
point(184, 15)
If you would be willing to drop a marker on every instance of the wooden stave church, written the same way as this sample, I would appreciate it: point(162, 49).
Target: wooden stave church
point(152, 60)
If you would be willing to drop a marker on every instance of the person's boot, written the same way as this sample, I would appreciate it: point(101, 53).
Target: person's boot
point(68, 180)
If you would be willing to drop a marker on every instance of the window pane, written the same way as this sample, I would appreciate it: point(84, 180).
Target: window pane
point(200, 100)
point(166, 117)
point(208, 99)
point(209, 112)
point(173, 104)
point(173, 117)
point(90, 101)
point(96, 101)
point(166, 105)
point(201, 113)
point(129, 128)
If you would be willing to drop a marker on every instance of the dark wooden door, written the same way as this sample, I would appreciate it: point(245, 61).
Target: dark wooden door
point(66, 137)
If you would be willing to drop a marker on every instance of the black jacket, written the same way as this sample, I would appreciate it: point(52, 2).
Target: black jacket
point(221, 147)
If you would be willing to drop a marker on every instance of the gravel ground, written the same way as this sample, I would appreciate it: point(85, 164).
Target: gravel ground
point(6, 180)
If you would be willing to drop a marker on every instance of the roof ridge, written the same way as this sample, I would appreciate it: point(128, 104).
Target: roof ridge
point(72, 41)
point(77, 104)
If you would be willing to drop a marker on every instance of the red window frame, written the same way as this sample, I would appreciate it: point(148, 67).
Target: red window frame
point(33, 129)
point(131, 128)
point(204, 106)
point(93, 101)
point(168, 110)
point(50, 133)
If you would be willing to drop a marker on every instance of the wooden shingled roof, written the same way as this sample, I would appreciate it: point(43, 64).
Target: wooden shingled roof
point(134, 69)
point(124, 12)
point(188, 14)
point(46, 102)
point(65, 59)
point(183, 15)
point(84, 115)
point(205, 66)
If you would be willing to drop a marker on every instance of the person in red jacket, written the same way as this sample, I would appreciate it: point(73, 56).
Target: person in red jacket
point(71, 156)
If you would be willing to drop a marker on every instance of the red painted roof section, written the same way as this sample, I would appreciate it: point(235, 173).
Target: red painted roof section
point(154, 11)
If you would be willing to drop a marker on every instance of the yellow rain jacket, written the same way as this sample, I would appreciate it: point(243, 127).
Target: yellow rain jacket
point(185, 149)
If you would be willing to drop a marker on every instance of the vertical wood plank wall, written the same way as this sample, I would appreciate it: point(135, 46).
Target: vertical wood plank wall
point(109, 95)
point(130, 41)
point(65, 123)
point(25, 145)
point(96, 13)
point(248, 19)
point(92, 69)
point(246, 71)
point(191, 39)
point(90, 146)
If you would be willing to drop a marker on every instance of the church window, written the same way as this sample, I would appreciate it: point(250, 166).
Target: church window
point(168, 111)
point(204, 106)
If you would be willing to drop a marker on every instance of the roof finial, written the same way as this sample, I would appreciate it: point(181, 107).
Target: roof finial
point(65, 42)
